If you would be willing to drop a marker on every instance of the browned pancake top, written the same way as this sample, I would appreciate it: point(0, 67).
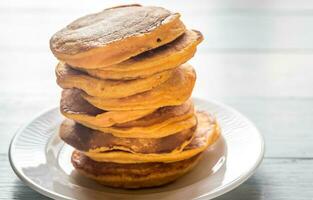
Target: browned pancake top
point(113, 24)
point(82, 162)
point(73, 103)
point(64, 69)
point(85, 139)
point(180, 43)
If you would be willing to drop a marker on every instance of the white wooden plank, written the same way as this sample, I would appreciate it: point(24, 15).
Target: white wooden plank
point(276, 5)
point(277, 180)
point(286, 124)
point(231, 32)
point(226, 75)
point(16, 112)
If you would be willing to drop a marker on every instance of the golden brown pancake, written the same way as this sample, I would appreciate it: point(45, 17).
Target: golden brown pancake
point(163, 122)
point(174, 91)
point(71, 78)
point(132, 175)
point(114, 35)
point(152, 131)
point(88, 140)
point(207, 133)
point(154, 61)
point(74, 107)
point(167, 114)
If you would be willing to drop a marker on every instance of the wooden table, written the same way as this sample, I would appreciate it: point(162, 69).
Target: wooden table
point(257, 57)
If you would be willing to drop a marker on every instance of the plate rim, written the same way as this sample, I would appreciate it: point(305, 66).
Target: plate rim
point(27, 181)
point(225, 189)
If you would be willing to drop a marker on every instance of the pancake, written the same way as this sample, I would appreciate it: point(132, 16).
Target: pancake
point(74, 107)
point(71, 78)
point(154, 61)
point(207, 133)
point(88, 140)
point(164, 115)
point(152, 131)
point(132, 175)
point(114, 35)
point(163, 122)
point(175, 91)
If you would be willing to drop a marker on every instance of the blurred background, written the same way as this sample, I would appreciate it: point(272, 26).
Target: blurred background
point(256, 57)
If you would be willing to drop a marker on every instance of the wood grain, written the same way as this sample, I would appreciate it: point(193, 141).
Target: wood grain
point(275, 180)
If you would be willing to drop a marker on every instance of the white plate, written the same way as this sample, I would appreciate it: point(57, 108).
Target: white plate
point(42, 161)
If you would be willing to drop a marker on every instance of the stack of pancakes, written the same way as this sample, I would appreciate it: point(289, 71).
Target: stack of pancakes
point(126, 94)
